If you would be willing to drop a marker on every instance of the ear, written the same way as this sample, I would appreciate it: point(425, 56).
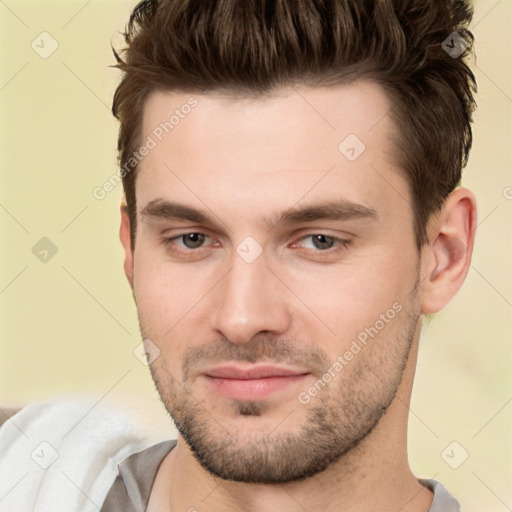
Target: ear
point(124, 235)
point(447, 256)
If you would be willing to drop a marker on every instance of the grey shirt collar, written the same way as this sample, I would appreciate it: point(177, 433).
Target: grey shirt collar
point(132, 487)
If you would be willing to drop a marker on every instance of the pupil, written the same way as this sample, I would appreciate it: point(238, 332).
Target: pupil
point(193, 240)
point(322, 241)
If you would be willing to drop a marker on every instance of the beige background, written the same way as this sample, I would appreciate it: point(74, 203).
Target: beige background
point(69, 324)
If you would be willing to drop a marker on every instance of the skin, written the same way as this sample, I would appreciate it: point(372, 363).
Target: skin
point(244, 162)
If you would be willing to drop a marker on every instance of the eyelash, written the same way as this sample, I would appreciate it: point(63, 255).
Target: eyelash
point(341, 243)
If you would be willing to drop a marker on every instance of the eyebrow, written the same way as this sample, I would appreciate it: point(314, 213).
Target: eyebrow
point(162, 209)
point(341, 209)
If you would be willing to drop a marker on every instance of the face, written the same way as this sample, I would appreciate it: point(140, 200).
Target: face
point(275, 273)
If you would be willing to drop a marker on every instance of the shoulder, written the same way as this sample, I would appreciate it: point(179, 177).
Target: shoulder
point(443, 501)
point(132, 488)
point(63, 452)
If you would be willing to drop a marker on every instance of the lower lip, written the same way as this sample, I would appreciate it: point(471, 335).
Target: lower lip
point(252, 389)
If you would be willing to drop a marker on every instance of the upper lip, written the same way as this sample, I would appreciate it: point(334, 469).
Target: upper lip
point(252, 372)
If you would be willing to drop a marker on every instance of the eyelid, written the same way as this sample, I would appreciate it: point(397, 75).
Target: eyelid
point(305, 232)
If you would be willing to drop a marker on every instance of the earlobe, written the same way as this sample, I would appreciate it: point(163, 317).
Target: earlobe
point(125, 237)
point(450, 246)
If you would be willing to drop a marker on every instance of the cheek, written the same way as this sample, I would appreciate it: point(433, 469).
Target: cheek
point(350, 297)
point(172, 304)
point(158, 280)
point(165, 295)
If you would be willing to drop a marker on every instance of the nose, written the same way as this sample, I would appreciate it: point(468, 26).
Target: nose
point(249, 300)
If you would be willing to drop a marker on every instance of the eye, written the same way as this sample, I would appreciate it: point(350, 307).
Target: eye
point(194, 240)
point(322, 242)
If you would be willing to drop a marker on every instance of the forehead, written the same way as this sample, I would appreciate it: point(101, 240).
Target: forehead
point(322, 116)
point(295, 143)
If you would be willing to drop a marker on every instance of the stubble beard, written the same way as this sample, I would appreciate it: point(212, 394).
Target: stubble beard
point(336, 420)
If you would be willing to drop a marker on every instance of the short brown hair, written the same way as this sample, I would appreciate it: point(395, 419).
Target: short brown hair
point(247, 47)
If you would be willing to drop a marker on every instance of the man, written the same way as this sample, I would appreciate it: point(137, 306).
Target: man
point(292, 212)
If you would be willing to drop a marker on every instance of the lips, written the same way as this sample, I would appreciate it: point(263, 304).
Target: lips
point(255, 382)
point(254, 372)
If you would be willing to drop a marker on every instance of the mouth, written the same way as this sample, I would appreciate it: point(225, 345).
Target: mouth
point(254, 382)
